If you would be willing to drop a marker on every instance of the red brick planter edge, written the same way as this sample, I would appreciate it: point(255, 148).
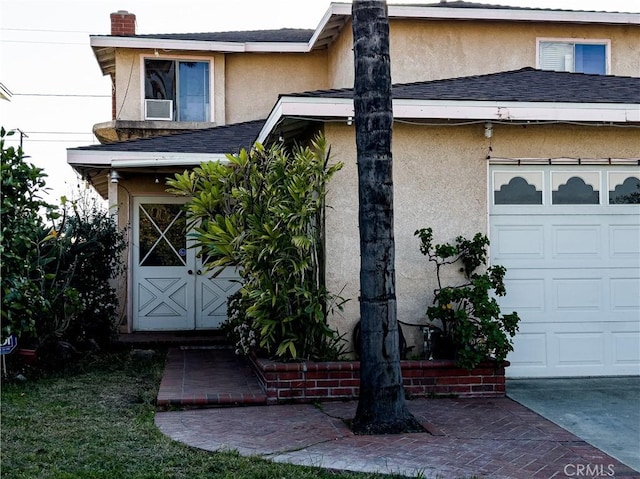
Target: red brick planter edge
point(310, 381)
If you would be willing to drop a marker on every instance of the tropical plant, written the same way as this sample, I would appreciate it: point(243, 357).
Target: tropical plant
point(263, 212)
point(381, 406)
point(466, 317)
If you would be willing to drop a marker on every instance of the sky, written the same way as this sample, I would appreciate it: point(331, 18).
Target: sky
point(59, 92)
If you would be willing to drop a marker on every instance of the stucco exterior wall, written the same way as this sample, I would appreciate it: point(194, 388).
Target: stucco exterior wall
point(440, 181)
point(128, 89)
point(254, 81)
point(437, 183)
point(340, 59)
point(424, 50)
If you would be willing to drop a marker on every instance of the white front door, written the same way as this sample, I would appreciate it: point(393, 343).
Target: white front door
point(171, 290)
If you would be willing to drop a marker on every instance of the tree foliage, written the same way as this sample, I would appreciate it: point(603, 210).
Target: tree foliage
point(22, 233)
point(263, 212)
point(56, 264)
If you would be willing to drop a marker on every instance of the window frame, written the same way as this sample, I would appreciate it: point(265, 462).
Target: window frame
point(577, 41)
point(177, 58)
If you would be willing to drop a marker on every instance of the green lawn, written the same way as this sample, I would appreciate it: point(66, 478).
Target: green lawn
point(97, 422)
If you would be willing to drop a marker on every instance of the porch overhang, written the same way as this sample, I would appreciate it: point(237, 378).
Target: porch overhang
point(96, 166)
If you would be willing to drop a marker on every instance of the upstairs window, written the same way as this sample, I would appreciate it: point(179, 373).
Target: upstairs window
point(573, 56)
point(176, 90)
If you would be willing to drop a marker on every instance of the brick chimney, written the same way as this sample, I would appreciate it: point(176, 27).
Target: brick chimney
point(123, 23)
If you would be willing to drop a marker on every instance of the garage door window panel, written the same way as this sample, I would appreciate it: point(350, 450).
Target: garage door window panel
point(575, 189)
point(624, 189)
point(521, 188)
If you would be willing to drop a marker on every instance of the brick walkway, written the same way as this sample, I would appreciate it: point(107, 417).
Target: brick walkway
point(496, 438)
point(207, 377)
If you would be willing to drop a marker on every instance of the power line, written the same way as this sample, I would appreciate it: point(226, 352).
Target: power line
point(68, 140)
point(63, 95)
point(60, 133)
point(46, 43)
point(42, 30)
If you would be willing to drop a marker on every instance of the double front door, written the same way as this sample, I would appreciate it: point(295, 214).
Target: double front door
point(171, 289)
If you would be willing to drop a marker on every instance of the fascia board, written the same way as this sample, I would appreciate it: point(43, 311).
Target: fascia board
point(337, 9)
point(197, 45)
point(165, 44)
point(271, 121)
point(131, 159)
point(407, 11)
point(276, 47)
point(516, 111)
point(324, 108)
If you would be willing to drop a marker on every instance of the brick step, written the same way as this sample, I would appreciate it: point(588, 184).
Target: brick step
point(174, 338)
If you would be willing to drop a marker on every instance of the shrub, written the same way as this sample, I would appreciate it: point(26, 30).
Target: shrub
point(264, 213)
point(56, 264)
point(22, 234)
point(466, 316)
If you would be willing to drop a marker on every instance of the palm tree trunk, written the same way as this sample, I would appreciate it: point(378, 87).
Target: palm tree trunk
point(381, 407)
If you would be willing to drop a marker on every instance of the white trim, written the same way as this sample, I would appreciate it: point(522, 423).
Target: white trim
point(133, 159)
point(165, 44)
point(334, 10)
point(197, 45)
point(277, 47)
point(496, 160)
point(407, 11)
point(325, 108)
point(179, 58)
point(581, 41)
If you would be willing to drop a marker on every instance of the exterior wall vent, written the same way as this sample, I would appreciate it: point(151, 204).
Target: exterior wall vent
point(158, 110)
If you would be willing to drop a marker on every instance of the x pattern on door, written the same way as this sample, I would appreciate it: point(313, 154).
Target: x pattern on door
point(171, 289)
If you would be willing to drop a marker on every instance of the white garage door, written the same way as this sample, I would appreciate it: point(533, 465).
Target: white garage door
point(569, 237)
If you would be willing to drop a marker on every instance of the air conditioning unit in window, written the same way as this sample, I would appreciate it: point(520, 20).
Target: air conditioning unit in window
point(158, 110)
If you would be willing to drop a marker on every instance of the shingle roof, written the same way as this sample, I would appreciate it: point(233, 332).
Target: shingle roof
point(283, 35)
point(217, 140)
point(463, 4)
point(524, 85)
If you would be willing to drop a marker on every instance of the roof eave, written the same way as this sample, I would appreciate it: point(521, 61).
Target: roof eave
point(137, 159)
point(324, 109)
point(108, 41)
point(517, 15)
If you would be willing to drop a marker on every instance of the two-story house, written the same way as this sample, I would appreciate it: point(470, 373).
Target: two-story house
point(520, 123)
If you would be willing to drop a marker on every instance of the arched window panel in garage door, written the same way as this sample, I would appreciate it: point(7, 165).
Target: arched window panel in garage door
point(572, 188)
point(517, 188)
point(624, 188)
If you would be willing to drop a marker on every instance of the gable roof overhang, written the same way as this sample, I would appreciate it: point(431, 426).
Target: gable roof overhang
point(331, 24)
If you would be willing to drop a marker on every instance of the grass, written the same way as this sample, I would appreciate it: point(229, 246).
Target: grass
point(97, 422)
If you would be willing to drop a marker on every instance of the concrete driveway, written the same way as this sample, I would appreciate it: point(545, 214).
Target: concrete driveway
point(605, 412)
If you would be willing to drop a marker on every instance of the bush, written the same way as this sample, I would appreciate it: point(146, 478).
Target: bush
point(264, 213)
point(466, 317)
point(22, 233)
point(88, 249)
point(56, 265)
